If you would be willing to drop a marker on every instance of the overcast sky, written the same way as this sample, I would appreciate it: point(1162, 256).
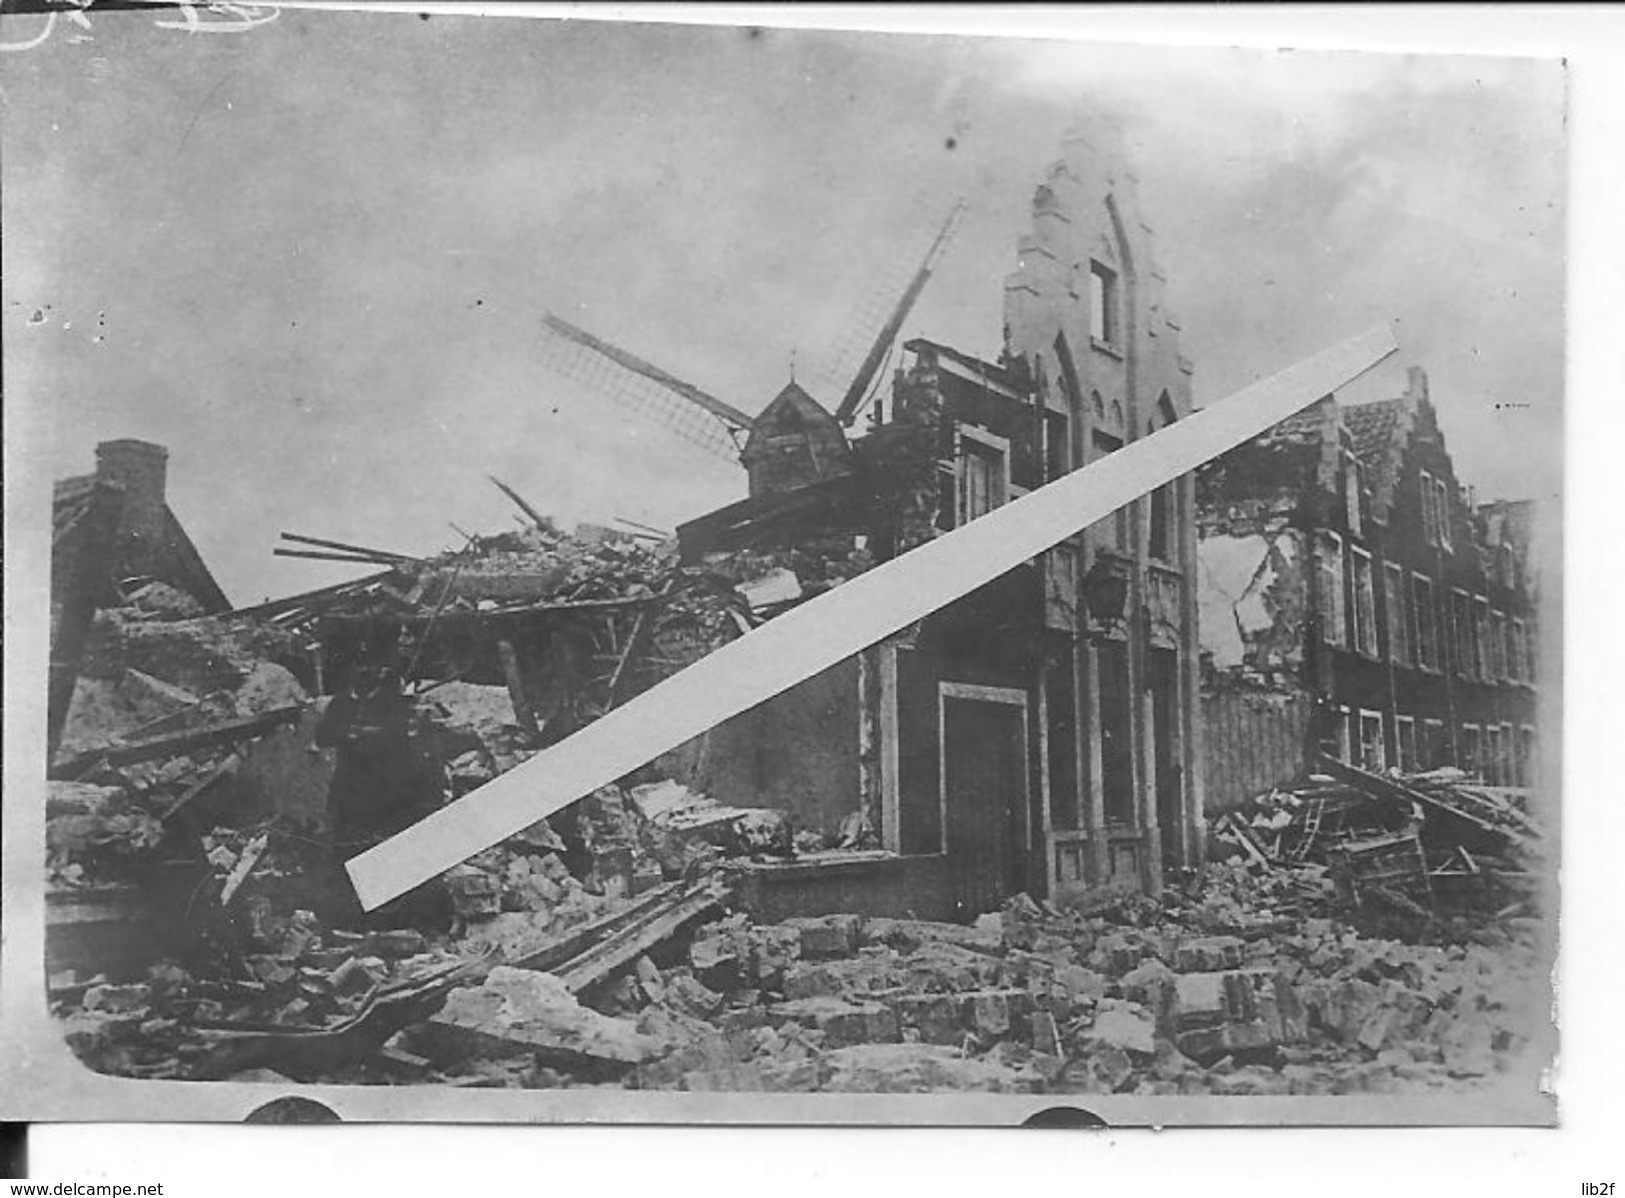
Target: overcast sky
point(312, 258)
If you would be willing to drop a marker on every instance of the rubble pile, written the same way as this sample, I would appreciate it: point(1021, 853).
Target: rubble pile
point(1429, 847)
point(1208, 993)
point(144, 675)
point(305, 1002)
point(95, 833)
point(536, 565)
point(774, 578)
point(1236, 984)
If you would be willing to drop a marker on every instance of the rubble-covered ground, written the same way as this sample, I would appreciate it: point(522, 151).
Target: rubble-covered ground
point(1210, 991)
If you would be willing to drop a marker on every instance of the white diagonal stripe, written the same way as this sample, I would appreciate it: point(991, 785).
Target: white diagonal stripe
point(811, 638)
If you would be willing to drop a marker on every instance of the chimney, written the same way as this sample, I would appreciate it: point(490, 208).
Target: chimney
point(141, 469)
point(1416, 380)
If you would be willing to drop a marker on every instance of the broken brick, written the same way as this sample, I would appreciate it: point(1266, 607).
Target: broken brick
point(1045, 1036)
point(1209, 953)
point(691, 996)
point(1103, 1070)
point(741, 1078)
point(716, 962)
point(1122, 1025)
point(117, 999)
point(1080, 985)
point(1200, 1000)
point(933, 1017)
point(841, 1022)
point(773, 948)
point(828, 936)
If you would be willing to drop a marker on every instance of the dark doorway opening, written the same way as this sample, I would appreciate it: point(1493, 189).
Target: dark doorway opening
point(984, 786)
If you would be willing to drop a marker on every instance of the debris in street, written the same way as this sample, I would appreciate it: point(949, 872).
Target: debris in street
point(1422, 845)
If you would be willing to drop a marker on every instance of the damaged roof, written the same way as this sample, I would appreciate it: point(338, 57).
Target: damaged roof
point(1372, 427)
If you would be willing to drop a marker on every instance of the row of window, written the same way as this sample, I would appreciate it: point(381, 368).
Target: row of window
point(1483, 643)
point(1500, 754)
point(1435, 503)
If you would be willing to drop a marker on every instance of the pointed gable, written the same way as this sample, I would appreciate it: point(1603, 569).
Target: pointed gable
point(1380, 435)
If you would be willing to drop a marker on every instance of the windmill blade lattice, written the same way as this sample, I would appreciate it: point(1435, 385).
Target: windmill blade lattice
point(835, 368)
point(595, 372)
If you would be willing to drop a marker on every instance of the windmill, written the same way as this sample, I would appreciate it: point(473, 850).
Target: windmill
point(794, 440)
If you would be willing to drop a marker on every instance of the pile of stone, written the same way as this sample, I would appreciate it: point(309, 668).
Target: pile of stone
point(295, 979)
point(1030, 1000)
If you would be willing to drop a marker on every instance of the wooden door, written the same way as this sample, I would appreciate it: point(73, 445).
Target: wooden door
point(984, 788)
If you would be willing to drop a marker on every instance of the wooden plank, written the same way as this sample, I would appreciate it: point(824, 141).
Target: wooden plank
point(522, 710)
point(833, 626)
point(574, 943)
point(636, 642)
point(317, 555)
point(626, 945)
point(176, 743)
point(360, 550)
point(227, 765)
point(536, 518)
point(1398, 792)
point(305, 599)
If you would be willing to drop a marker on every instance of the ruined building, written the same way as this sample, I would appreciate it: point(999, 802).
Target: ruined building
point(1356, 601)
point(147, 543)
point(1042, 733)
point(114, 539)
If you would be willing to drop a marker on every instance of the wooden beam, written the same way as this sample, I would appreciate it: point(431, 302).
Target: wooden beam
point(362, 550)
point(1399, 793)
point(227, 765)
point(317, 556)
point(536, 518)
point(176, 743)
point(522, 710)
point(627, 944)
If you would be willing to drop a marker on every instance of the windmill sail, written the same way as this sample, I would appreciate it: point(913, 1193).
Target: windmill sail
point(693, 414)
point(852, 401)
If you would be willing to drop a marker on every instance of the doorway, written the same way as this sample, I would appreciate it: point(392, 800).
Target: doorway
point(984, 794)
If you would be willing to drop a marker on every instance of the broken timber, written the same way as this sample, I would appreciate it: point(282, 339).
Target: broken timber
point(567, 948)
point(841, 622)
point(1398, 792)
point(300, 1053)
point(382, 555)
point(659, 922)
point(174, 744)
